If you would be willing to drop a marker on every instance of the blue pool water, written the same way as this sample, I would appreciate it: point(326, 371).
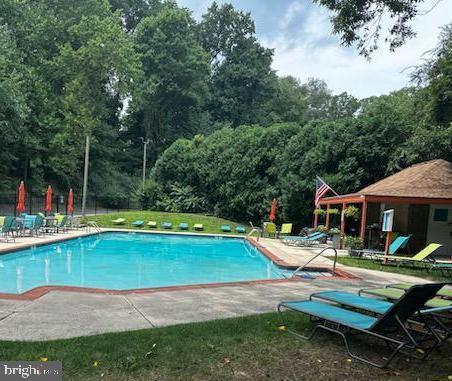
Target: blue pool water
point(122, 261)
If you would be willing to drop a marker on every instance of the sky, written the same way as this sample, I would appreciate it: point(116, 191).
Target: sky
point(301, 35)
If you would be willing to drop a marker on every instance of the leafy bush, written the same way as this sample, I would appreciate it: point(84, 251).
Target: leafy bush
point(334, 231)
point(354, 243)
point(182, 199)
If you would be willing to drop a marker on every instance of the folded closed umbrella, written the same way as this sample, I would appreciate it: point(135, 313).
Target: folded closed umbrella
point(20, 207)
point(48, 207)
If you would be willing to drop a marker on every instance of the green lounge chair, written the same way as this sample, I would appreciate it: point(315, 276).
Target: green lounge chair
point(390, 326)
point(286, 229)
point(225, 228)
point(2, 221)
point(183, 226)
point(240, 229)
point(270, 229)
point(137, 223)
point(119, 221)
point(421, 257)
point(152, 224)
point(198, 226)
point(445, 292)
point(399, 243)
point(8, 227)
point(390, 293)
point(167, 225)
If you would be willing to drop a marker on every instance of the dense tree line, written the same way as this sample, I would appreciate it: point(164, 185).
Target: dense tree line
point(226, 133)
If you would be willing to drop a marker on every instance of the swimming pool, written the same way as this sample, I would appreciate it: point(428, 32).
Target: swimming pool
point(125, 261)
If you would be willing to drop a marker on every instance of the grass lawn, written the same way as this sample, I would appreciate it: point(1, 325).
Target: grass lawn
point(211, 224)
point(418, 271)
point(247, 348)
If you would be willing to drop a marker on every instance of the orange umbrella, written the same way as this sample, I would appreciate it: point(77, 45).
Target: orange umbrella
point(20, 207)
point(48, 207)
point(273, 210)
point(70, 202)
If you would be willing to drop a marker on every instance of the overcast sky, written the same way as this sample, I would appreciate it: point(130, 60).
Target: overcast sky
point(300, 33)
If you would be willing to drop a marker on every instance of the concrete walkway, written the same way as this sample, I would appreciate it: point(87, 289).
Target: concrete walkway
point(60, 314)
point(63, 314)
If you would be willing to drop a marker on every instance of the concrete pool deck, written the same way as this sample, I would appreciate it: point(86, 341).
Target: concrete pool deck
point(64, 314)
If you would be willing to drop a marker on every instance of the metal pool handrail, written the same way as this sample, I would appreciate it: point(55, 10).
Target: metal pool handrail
point(314, 257)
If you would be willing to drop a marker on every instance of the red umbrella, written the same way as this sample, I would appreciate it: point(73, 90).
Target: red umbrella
point(273, 210)
point(70, 202)
point(48, 208)
point(20, 207)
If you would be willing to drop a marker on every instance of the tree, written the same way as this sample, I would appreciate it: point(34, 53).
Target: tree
point(168, 99)
point(361, 22)
point(436, 75)
point(221, 30)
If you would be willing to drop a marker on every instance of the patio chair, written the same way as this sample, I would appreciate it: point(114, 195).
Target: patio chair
point(183, 226)
point(341, 322)
point(310, 241)
point(423, 257)
point(61, 223)
point(291, 238)
point(137, 223)
point(167, 225)
point(286, 229)
point(8, 227)
point(119, 221)
point(198, 227)
point(152, 224)
point(2, 221)
point(225, 228)
point(399, 243)
point(270, 229)
point(390, 293)
point(240, 229)
point(37, 226)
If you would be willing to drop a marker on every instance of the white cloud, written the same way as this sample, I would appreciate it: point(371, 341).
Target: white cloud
point(314, 52)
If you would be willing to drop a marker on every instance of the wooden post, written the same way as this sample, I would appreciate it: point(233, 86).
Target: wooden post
point(388, 242)
point(327, 221)
point(316, 220)
point(342, 225)
point(362, 231)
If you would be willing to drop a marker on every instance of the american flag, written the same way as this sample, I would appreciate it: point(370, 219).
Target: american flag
point(321, 187)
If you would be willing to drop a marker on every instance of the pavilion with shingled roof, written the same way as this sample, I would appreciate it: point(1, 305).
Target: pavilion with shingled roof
point(421, 197)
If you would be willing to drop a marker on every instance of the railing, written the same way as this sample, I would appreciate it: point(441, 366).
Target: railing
point(316, 256)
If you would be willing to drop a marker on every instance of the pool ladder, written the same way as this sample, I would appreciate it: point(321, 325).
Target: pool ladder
point(94, 225)
point(316, 256)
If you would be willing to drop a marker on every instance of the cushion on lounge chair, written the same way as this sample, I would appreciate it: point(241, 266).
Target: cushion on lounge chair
point(167, 225)
point(152, 224)
point(286, 229)
point(419, 257)
point(183, 226)
point(119, 221)
point(225, 228)
point(240, 229)
point(352, 300)
point(138, 223)
point(332, 313)
point(2, 220)
point(198, 226)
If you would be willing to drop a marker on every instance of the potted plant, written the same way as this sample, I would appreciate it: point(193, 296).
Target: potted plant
point(333, 211)
point(351, 212)
point(336, 237)
point(320, 212)
point(353, 244)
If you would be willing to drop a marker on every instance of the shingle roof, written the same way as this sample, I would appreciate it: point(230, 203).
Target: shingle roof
point(431, 179)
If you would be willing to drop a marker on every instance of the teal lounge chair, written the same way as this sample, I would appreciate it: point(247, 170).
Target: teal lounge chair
point(183, 226)
point(399, 243)
point(288, 240)
point(8, 228)
point(167, 225)
point(309, 241)
point(240, 229)
point(138, 223)
point(390, 327)
point(225, 228)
